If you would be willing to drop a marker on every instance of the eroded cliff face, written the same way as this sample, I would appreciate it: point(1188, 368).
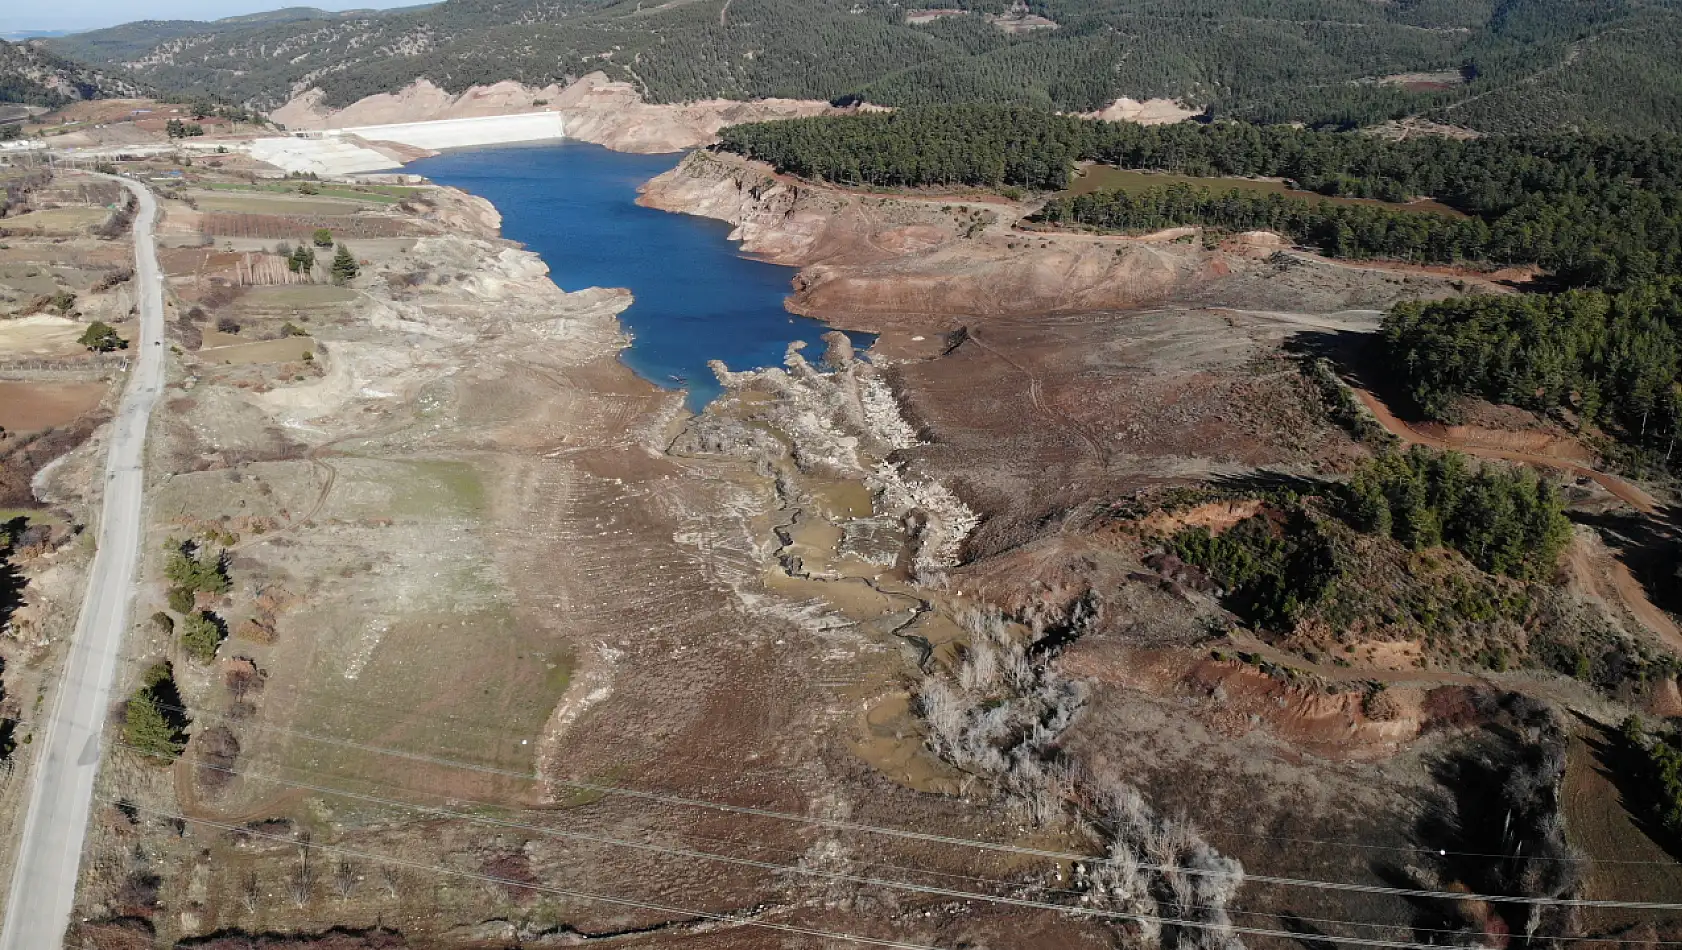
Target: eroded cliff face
point(596, 109)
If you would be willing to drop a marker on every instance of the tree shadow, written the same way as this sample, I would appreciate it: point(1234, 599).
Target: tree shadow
point(1265, 482)
point(1649, 545)
point(1357, 356)
point(1310, 936)
point(1621, 765)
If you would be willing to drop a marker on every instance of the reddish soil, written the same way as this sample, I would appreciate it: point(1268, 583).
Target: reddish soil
point(1544, 452)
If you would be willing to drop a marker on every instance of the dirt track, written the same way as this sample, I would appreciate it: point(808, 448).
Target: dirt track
point(1626, 492)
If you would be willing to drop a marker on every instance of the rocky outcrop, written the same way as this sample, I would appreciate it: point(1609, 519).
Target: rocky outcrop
point(1148, 112)
point(595, 108)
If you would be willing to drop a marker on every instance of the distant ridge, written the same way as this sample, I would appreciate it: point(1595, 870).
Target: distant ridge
point(1490, 65)
point(32, 75)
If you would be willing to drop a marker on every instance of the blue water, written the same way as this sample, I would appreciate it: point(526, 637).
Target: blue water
point(697, 297)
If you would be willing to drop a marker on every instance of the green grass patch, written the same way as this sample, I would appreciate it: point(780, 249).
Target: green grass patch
point(440, 487)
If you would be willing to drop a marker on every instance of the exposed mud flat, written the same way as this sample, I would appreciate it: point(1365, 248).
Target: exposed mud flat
point(1054, 378)
point(481, 567)
point(470, 569)
point(885, 262)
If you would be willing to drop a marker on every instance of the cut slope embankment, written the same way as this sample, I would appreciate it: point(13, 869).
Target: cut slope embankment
point(912, 261)
point(595, 109)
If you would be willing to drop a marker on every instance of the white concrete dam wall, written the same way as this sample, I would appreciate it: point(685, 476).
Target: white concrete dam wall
point(342, 152)
point(460, 133)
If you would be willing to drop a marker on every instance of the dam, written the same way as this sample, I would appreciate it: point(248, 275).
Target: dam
point(373, 148)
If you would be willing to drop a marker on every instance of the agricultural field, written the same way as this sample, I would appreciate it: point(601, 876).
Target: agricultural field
point(378, 194)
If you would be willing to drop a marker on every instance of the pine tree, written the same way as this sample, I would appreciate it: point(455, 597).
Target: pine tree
point(153, 724)
point(344, 265)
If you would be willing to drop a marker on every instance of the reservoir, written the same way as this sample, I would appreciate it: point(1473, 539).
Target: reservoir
point(697, 297)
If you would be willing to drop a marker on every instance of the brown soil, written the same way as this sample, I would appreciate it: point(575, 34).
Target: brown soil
point(901, 263)
point(27, 408)
point(1626, 864)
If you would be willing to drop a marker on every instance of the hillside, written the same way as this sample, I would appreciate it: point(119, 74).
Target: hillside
point(34, 76)
point(1486, 64)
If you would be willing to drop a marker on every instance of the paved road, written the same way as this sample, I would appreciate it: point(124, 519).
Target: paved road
point(44, 880)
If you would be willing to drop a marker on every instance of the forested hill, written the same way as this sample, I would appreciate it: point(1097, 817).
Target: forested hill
point(33, 76)
point(1602, 210)
point(1495, 65)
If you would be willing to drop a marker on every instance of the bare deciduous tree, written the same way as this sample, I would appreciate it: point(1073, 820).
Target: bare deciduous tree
point(302, 879)
point(344, 878)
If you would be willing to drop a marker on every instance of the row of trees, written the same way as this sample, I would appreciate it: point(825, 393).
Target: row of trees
point(1611, 358)
point(1275, 570)
point(1337, 230)
point(1657, 767)
point(301, 259)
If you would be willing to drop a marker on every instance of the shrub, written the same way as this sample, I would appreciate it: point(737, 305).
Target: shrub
point(163, 623)
point(218, 749)
point(99, 337)
point(181, 600)
point(153, 722)
point(227, 325)
point(322, 237)
point(1271, 577)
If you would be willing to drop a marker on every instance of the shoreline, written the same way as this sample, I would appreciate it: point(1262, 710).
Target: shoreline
point(745, 323)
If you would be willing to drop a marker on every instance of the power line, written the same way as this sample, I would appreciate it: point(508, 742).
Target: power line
point(548, 889)
point(486, 728)
point(1078, 911)
point(810, 872)
point(932, 838)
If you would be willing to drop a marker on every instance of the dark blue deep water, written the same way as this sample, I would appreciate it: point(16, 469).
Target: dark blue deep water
point(697, 297)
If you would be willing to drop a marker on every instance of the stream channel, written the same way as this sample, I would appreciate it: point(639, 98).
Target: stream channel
point(698, 298)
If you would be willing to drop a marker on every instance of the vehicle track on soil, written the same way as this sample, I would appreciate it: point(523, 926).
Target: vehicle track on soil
point(1616, 574)
point(1036, 396)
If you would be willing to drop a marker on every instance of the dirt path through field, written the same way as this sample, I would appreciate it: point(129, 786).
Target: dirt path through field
point(1347, 674)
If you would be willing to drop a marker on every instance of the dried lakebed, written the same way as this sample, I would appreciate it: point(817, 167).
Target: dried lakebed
point(697, 297)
